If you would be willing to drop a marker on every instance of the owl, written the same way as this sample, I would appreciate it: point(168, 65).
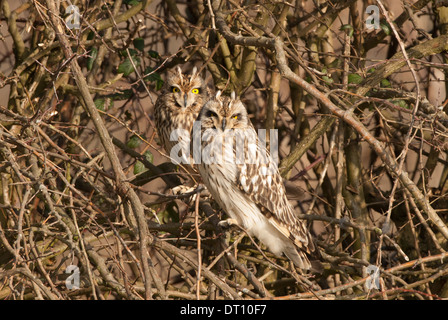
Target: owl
point(175, 111)
point(244, 179)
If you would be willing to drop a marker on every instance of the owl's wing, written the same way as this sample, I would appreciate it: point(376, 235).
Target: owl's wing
point(260, 180)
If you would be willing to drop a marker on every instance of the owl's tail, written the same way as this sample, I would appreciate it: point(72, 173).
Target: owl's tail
point(298, 257)
point(301, 258)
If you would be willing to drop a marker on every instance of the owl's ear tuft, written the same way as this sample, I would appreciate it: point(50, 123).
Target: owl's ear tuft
point(179, 70)
point(218, 94)
point(193, 72)
point(233, 95)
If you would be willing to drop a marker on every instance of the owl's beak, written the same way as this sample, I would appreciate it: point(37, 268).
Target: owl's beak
point(185, 100)
point(223, 125)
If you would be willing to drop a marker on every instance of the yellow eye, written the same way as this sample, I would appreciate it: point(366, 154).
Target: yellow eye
point(235, 117)
point(195, 90)
point(175, 89)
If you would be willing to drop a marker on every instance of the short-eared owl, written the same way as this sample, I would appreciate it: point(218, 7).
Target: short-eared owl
point(177, 108)
point(244, 179)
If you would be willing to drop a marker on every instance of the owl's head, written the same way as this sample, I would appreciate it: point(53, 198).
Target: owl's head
point(184, 90)
point(223, 113)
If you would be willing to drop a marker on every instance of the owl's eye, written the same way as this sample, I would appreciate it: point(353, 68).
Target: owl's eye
point(175, 89)
point(210, 114)
point(195, 91)
point(236, 116)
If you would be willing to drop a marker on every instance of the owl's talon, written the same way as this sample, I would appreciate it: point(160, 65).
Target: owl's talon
point(226, 224)
point(181, 190)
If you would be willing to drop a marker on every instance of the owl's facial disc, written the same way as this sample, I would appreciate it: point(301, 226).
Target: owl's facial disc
point(186, 99)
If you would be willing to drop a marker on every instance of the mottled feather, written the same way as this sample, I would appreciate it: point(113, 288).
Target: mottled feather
point(178, 106)
point(249, 190)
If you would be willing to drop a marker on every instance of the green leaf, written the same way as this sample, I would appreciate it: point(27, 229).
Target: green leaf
point(139, 44)
point(126, 67)
point(354, 78)
point(139, 167)
point(153, 54)
point(104, 103)
point(159, 84)
point(99, 103)
point(385, 83)
point(349, 28)
point(133, 142)
point(385, 27)
point(91, 60)
point(153, 76)
point(123, 95)
point(132, 52)
point(401, 104)
point(149, 156)
point(327, 79)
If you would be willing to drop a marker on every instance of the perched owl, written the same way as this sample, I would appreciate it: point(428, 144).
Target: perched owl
point(175, 111)
point(244, 180)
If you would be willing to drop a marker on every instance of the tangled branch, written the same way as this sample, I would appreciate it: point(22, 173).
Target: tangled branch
point(89, 208)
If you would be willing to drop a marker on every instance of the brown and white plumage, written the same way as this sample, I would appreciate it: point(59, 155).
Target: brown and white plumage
point(249, 189)
point(176, 108)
